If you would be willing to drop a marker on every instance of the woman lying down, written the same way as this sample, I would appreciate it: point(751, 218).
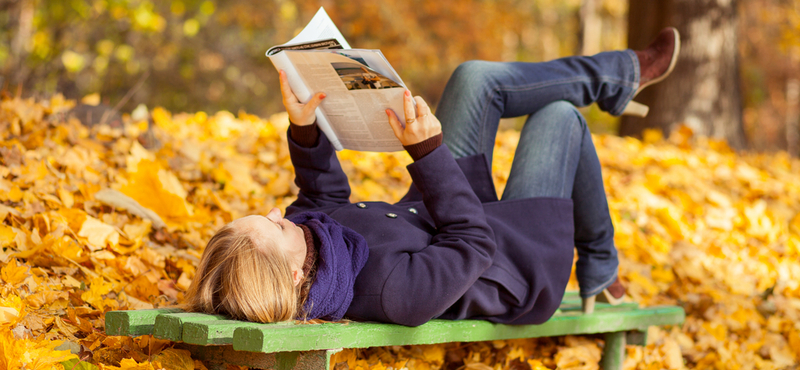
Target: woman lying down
point(449, 249)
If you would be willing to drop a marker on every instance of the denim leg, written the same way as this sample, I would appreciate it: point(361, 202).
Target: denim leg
point(479, 93)
point(556, 158)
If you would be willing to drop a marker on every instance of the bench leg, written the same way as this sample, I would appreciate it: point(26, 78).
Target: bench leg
point(636, 338)
point(614, 352)
point(218, 357)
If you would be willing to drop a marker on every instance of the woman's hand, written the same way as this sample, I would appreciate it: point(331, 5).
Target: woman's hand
point(300, 114)
point(418, 128)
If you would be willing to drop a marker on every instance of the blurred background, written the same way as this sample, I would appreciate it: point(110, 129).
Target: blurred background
point(738, 78)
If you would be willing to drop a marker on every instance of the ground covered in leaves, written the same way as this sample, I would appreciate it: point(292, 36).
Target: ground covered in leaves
point(116, 217)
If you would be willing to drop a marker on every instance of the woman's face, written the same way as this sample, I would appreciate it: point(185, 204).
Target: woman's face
point(274, 230)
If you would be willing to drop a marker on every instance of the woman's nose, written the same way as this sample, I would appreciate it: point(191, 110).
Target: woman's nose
point(274, 214)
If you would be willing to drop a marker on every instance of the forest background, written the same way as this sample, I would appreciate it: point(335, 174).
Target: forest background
point(207, 55)
point(714, 230)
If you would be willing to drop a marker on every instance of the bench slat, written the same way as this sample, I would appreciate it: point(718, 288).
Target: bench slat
point(625, 306)
point(272, 338)
point(204, 330)
point(210, 333)
point(141, 322)
point(135, 322)
point(170, 325)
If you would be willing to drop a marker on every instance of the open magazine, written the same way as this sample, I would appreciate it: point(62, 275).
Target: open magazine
point(360, 85)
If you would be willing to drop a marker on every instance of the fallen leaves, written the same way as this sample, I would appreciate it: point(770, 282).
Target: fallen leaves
point(13, 274)
point(93, 221)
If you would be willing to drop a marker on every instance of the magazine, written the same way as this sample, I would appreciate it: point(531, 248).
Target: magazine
point(360, 85)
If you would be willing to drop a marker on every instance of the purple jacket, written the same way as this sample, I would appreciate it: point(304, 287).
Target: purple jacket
point(449, 249)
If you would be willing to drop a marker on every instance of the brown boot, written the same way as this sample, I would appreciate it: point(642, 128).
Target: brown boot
point(656, 62)
point(612, 295)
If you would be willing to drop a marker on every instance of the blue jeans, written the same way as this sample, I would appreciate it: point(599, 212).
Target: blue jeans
point(555, 156)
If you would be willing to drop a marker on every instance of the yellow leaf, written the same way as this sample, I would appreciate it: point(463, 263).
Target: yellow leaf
point(662, 275)
point(433, 354)
point(651, 135)
point(137, 230)
point(13, 305)
point(7, 235)
point(8, 315)
point(98, 287)
point(98, 233)
point(175, 359)
point(91, 99)
point(33, 172)
point(537, 365)
point(103, 255)
point(66, 197)
point(71, 282)
point(240, 178)
point(671, 218)
point(795, 224)
point(73, 217)
point(581, 353)
point(14, 273)
point(30, 354)
point(130, 364)
point(15, 195)
point(69, 248)
point(158, 190)
point(37, 300)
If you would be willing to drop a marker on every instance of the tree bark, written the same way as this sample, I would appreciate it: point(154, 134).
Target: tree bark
point(703, 91)
point(793, 117)
point(591, 28)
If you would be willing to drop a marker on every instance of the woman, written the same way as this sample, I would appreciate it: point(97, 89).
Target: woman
point(449, 249)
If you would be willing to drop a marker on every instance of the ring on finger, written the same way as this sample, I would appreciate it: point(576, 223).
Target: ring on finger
point(410, 120)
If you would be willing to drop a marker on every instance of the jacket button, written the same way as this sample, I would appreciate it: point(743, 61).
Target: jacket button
point(361, 205)
point(391, 215)
point(412, 210)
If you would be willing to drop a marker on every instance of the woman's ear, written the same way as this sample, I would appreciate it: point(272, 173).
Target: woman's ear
point(297, 275)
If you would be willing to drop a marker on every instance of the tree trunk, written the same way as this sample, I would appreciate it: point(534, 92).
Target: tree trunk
point(22, 38)
point(591, 28)
point(703, 91)
point(793, 117)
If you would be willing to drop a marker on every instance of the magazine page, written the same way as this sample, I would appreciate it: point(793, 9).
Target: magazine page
point(314, 45)
point(319, 29)
point(357, 97)
point(281, 62)
point(373, 59)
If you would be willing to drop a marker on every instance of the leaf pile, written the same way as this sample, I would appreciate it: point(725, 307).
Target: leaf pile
point(101, 218)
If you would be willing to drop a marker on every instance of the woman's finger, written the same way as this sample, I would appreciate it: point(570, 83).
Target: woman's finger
point(408, 106)
point(422, 106)
point(286, 90)
point(312, 104)
point(397, 127)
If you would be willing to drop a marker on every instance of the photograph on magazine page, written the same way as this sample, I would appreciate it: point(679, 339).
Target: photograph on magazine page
point(358, 77)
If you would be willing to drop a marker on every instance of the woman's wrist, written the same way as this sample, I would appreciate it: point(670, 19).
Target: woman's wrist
point(419, 150)
point(305, 136)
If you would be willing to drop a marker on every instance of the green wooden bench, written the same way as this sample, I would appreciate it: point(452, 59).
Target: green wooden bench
point(218, 341)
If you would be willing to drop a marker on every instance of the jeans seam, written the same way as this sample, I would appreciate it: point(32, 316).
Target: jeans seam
point(564, 168)
point(539, 85)
point(636, 78)
point(482, 138)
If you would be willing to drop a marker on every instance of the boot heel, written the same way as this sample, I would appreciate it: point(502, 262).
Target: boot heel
point(587, 304)
point(635, 109)
point(606, 297)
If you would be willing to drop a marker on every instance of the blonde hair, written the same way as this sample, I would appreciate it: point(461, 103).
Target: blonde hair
point(239, 279)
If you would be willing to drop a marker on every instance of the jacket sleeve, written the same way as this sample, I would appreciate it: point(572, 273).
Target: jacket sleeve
point(423, 284)
point(319, 176)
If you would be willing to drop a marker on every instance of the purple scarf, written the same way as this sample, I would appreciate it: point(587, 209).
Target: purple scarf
point(341, 255)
